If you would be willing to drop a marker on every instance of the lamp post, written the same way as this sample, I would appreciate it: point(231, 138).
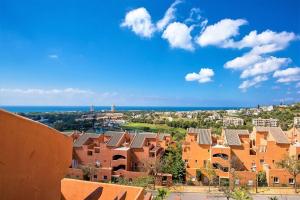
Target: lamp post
point(256, 177)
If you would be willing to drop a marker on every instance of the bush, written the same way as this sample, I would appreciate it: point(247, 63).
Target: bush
point(198, 174)
point(262, 179)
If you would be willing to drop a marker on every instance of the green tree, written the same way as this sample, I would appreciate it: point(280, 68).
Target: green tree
point(292, 165)
point(262, 179)
point(210, 173)
point(162, 194)
point(172, 163)
point(241, 194)
point(88, 171)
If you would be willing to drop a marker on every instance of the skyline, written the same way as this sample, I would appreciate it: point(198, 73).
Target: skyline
point(171, 53)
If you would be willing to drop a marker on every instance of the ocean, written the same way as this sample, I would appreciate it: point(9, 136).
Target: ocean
point(28, 109)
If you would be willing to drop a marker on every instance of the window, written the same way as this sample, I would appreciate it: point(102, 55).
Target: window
point(196, 161)
point(104, 177)
point(262, 161)
point(95, 176)
point(291, 181)
point(89, 153)
point(250, 182)
point(237, 182)
point(97, 150)
point(186, 161)
point(276, 180)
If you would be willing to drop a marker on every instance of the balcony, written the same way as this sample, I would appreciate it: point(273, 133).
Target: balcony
point(118, 162)
point(220, 167)
point(119, 167)
point(221, 161)
point(221, 155)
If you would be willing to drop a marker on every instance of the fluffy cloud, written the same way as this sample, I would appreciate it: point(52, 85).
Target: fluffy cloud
point(168, 17)
point(252, 82)
point(219, 34)
point(178, 35)
point(243, 61)
point(139, 20)
point(265, 42)
point(288, 75)
point(204, 75)
point(266, 66)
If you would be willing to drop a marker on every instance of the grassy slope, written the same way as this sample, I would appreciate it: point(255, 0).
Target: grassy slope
point(178, 133)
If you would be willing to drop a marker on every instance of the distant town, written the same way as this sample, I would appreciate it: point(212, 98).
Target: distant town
point(243, 150)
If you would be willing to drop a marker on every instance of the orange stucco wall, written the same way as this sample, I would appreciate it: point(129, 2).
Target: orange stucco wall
point(78, 190)
point(194, 155)
point(33, 159)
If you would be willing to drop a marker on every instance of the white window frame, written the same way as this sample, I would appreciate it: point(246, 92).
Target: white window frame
point(292, 182)
point(274, 179)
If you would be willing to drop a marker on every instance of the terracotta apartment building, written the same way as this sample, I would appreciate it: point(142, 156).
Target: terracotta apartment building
point(116, 154)
point(35, 159)
point(245, 153)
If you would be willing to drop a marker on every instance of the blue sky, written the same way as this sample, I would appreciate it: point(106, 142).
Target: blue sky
point(163, 53)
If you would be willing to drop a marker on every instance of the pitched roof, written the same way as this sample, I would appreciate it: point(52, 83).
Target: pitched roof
point(139, 139)
point(83, 138)
point(276, 132)
point(161, 136)
point(204, 135)
point(232, 136)
point(115, 137)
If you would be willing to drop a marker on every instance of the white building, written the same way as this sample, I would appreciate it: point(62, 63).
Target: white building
point(297, 121)
point(232, 121)
point(265, 122)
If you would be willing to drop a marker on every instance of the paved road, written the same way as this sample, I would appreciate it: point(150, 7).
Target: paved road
point(201, 196)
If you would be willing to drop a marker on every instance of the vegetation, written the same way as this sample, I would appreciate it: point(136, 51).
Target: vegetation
point(143, 181)
point(88, 172)
point(162, 194)
point(210, 173)
point(172, 163)
point(177, 133)
point(262, 179)
point(241, 194)
point(273, 198)
point(292, 165)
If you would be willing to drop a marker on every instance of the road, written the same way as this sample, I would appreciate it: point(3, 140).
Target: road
point(201, 196)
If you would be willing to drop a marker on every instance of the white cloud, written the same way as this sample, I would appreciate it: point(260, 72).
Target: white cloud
point(139, 20)
point(194, 16)
point(267, 65)
point(265, 42)
point(168, 17)
point(219, 34)
point(66, 96)
point(252, 82)
point(53, 56)
point(204, 75)
point(243, 61)
point(298, 85)
point(34, 91)
point(288, 75)
point(178, 35)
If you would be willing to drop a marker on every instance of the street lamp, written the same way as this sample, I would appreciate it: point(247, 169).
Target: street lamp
point(256, 178)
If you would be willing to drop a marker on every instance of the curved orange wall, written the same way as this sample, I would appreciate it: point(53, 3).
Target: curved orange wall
point(33, 159)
